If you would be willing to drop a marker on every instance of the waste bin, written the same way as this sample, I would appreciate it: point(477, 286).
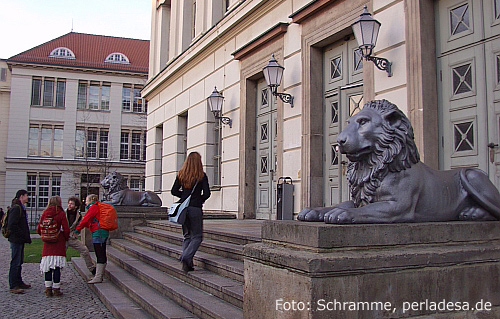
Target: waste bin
point(284, 197)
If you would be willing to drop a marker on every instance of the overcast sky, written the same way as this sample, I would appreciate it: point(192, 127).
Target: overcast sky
point(25, 24)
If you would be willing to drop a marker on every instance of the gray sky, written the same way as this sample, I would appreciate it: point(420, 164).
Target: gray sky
point(25, 24)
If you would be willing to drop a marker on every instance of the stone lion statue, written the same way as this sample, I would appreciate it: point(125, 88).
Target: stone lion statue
point(120, 194)
point(389, 184)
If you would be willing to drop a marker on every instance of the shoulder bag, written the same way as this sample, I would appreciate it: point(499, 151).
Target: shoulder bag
point(178, 210)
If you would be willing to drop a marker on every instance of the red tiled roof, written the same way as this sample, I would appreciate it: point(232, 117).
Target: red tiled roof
point(90, 52)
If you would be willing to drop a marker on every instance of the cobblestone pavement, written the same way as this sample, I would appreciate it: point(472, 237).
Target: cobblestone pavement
point(78, 300)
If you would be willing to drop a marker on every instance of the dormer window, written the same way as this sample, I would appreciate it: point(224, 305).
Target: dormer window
point(117, 57)
point(62, 53)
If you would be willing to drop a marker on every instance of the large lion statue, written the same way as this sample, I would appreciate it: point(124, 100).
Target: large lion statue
point(389, 184)
point(120, 194)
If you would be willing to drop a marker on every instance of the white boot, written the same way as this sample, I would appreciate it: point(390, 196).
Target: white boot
point(98, 274)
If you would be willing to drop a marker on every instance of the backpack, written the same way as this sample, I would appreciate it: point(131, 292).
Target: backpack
point(5, 230)
point(49, 230)
point(108, 218)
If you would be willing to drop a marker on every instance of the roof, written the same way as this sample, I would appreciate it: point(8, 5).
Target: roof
point(90, 52)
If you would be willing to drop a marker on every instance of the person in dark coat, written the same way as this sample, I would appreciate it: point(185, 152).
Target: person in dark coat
point(1, 216)
point(192, 175)
point(54, 254)
point(17, 223)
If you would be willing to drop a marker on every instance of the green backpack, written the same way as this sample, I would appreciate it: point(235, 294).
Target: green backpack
point(5, 230)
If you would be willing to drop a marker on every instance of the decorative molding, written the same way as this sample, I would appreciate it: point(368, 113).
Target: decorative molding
point(260, 40)
point(309, 10)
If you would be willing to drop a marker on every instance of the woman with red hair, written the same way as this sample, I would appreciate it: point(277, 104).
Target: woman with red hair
point(193, 181)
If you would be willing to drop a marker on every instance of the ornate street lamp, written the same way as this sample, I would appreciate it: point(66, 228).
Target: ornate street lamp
point(215, 101)
point(366, 32)
point(273, 72)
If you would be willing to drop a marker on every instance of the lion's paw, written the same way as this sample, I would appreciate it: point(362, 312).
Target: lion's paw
point(338, 216)
point(311, 215)
point(475, 213)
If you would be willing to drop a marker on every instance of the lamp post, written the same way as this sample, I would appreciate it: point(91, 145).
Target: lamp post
point(273, 72)
point(366, 30)
point(215, 101)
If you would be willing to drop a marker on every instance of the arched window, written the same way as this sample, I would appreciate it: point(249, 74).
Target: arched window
point(62, 52)
point(117, 57)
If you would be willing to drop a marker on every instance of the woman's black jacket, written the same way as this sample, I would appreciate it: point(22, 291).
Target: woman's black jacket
point(200, 195)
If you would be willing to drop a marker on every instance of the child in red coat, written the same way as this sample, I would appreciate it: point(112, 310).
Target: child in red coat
point(54, 254)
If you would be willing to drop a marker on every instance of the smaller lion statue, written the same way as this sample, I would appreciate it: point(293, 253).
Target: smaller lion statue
point(120, 194)
point(389, 183)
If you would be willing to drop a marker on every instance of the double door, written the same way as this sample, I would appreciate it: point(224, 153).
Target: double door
point(343, 97)
point(468, 59)
point(266, 150)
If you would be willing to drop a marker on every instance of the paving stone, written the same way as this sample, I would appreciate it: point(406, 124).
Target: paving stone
point(78, 300)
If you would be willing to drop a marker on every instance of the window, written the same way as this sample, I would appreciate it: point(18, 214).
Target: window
point(62, 53)
point(193, 22)
point(45, 140)
point(126, 98)
point(80, 143)
point(41, 186)
point(144, 147)
point(105, 96)
point(124, 145)
point(54, 92)
point(135, 152)
point(138, 108)
point(93, 95)
point(132, 95)
point(135, 184)
point(117, 57)
point(31, 188)
point(103, 144)
point(132, 145)
point(92, 143)
point(3, 74)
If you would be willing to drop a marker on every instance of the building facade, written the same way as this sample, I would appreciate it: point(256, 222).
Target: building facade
point(445, 76)
point(4, 121)
point(75, 115)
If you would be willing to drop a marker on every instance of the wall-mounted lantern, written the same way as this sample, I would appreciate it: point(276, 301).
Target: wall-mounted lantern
point(273, 72)
point(366, 32)
point(215, 101)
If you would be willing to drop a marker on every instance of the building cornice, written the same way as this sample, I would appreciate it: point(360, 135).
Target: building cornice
point(241, 16)
point(79, 69)
point(309, 10)
point(260, 40)
point(58, 162)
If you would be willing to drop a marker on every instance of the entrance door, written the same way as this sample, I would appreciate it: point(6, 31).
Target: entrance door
point(343, 97)
point(468, 35)
point(266, 152)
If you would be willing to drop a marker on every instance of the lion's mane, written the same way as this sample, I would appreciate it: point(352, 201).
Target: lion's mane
point(114, 184)
point(394, 151)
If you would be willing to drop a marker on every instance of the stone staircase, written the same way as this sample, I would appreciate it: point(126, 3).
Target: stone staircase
point(145, 280)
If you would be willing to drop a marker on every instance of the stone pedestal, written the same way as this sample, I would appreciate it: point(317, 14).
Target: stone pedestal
point(128, 217)
point(315, 270)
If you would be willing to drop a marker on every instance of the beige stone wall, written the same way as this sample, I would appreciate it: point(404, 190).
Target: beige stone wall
point(188, 78)
point(4, 125)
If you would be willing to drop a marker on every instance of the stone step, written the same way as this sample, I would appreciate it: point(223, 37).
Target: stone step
point(227, 267)
point(120, 305)
point(210, 246)
point(197, 301)
point(238, 239)
point(225, 288)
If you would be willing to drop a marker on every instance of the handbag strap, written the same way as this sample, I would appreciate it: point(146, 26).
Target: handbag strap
point(192, 191)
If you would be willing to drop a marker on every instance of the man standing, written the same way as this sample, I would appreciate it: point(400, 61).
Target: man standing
point(17, 223)
point(74, 217)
